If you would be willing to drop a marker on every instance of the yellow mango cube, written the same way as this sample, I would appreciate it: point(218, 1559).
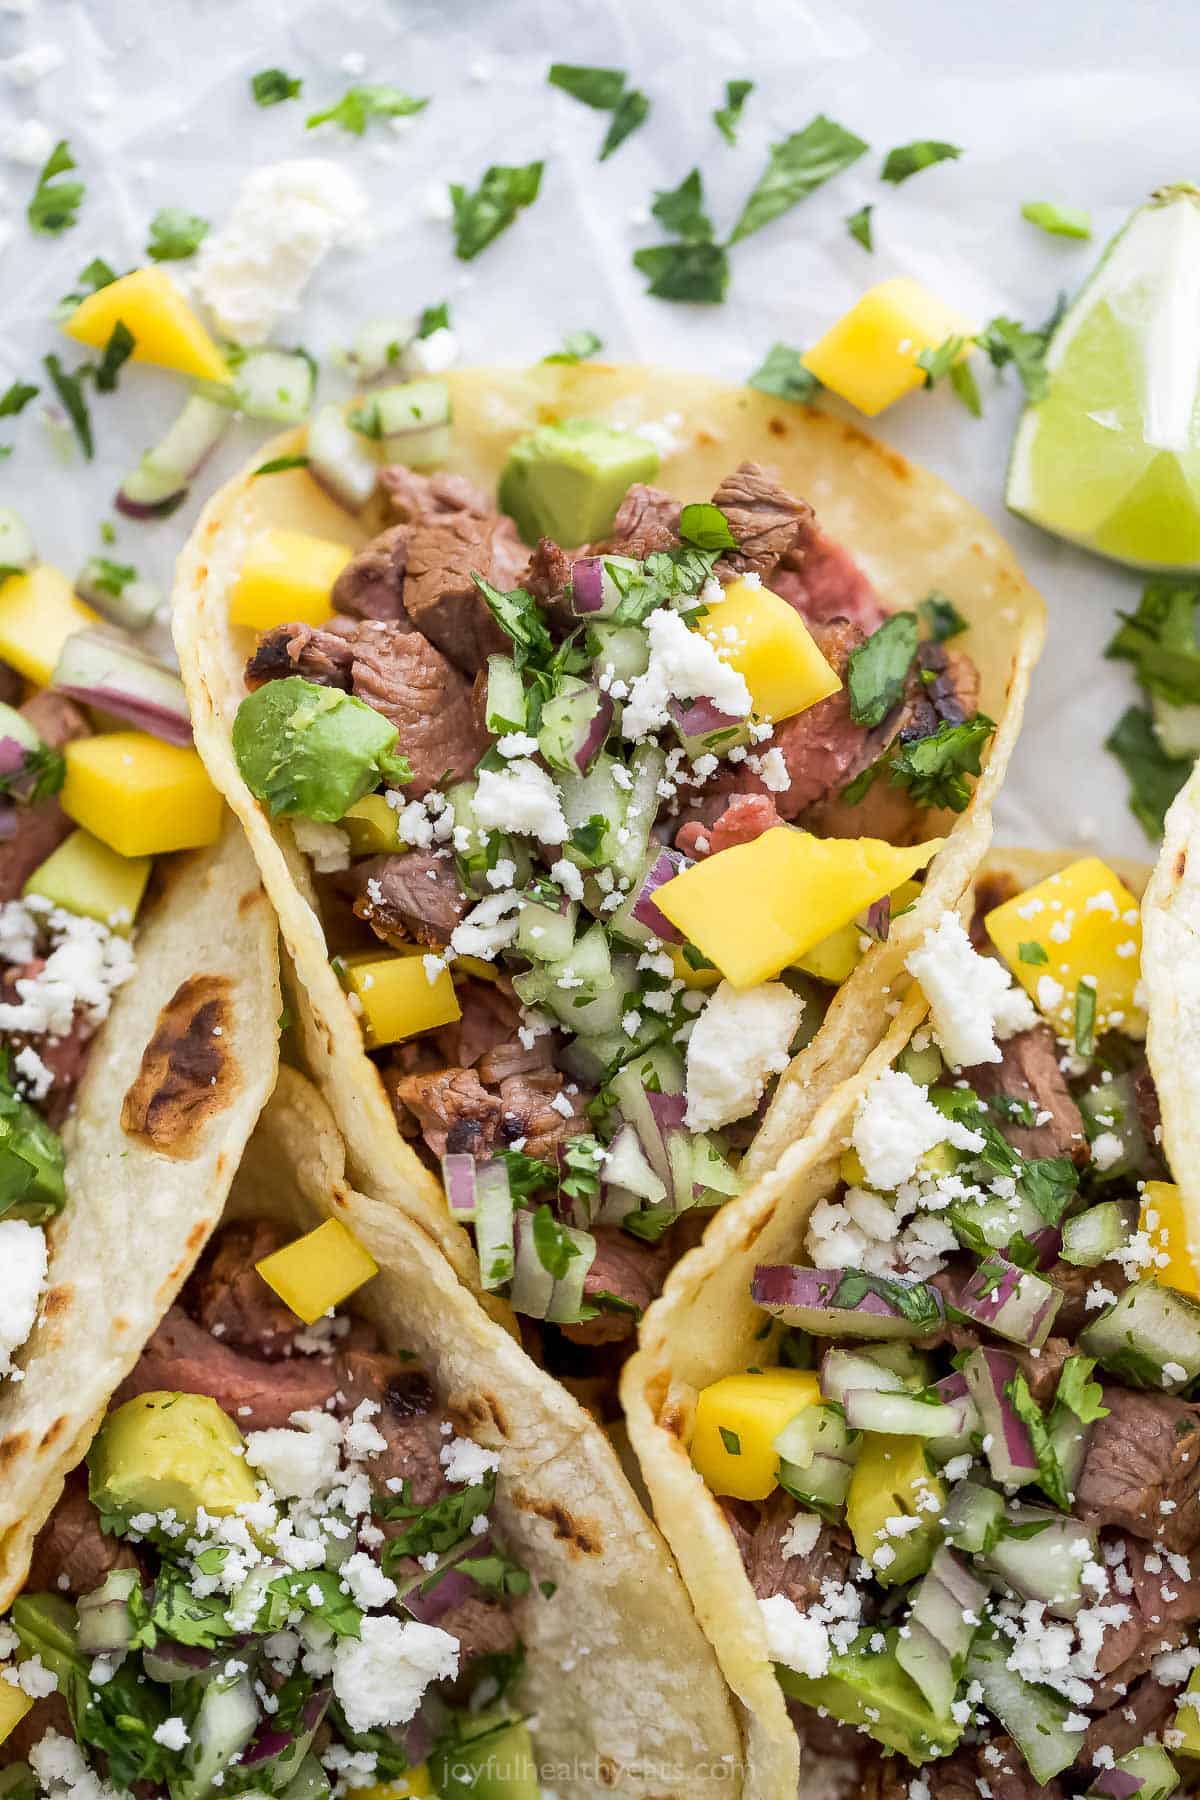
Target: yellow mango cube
point(1169, 1220)
point(14, 1704)
point(138, 795)
point(1080, 924)
point(84, 876)
point(756, 908)
point(372, 826)
point(38, 613)
point(737, 1421)
point(395, 997)
point(692, 978)
point(286, 575)
point(316, 1272)
point(415, 1784)
point(1185, 1725)
point(869, 356)
point(836, 957)
point(165, 329)
point(771, 647)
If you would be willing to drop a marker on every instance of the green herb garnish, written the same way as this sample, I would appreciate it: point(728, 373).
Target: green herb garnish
point(175, 234)
point(556, 1248)
point(16, 398)
point(706, 526)
point(796, 167)
point(480, 216)
point(783, 374)
point(270, 86)
point(1059, 221)
point(728, 117)
point(877, 670)
point(940, 616)
point(55, 203)
point(858, 224)
point(910, 159)
point(1154, 777)
point(1032, 952)
point(578, 346)
point(1085, 1018)
point(606, 91)
point(69, 388)
point(117, 352)
point(360, 104)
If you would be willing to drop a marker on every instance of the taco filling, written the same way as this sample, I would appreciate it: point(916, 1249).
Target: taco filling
point(966, 1497)
point(277, 1572)
point(624, 815)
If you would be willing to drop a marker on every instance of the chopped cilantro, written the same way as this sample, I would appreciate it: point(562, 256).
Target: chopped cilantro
point(358, 105)
point(433, 318)
point(1049, 1183)
point(110, 577)
point(796, 167)
point(940, 616)
point(547, 1589)
point(783, 374)
point(1050, 1477)
point(518, 615)
point(1085, 1018)
point(279, 463)
point(650, 1223)
point(555, 1247)
point(1078, 1393)
point(688, 271)
point(270, 86)
point(1006, 341)
point(1059, 221)
point(98, 274)
point(480, 216)
point(706, 526)
point(858, 224)
point(964, 384)
point(632, 112)
point(912, 1300)
point(578, 346)
point(437, 1527)
point(117, 352)
point(16, 398)
point(55, 204)
point(69, 388)
point(1161, 640)
point(910, 159)
point(498, 1573)
point(175, 234)
point(939, 361)
point(877, 670)
point(681, 210)
point(600, 88)
point(1032, 952)
point(1154, 777)
point(933, 767)
point(728, 117)
point(582, 1157)
point(41, 773)
point(731, 1441)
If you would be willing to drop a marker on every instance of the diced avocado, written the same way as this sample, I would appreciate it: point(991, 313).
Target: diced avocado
point(868, 1688)
point(84, 876)
point(45, 1624)
point(892, 1480)
point(943, 1159)
point(913, 1366)
point(312, 750)
point(566, 481)
point(1186, 1722)
point(164, 1450)
point(1148, 1764)
point(492, 1761)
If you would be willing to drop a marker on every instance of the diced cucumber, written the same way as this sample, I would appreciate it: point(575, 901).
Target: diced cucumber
point(276, 384)
point(1150, 1338)
point(974, 1517)
point(1093, 1236)
point(1147, 1764)
point(621, 921)
point(1047, 1566)
point(820, 1436)
point(947, 1607)
point(626, 1166)
point(623, 653)
point(494, 1224)
point(718, 741)
point(994, 1221)
point(339, 458)
point(537, 1293)
point(1177, 728)
point(17, 548)
point(615, 575)
point(1034, 1717)
point(159, 483)
point(898, 1414)
point(224, 1725)
point(647, 768)
point(546, 933)
point(1110, 1109)
point(504, 708)
point(843, 1371)
point(913, 1366)
point(924, 1066)
point(379, 346)
point(412, 421)
point(574, 725)
point(586, 798)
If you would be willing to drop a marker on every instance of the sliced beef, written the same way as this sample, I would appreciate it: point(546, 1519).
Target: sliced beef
point(409, 1418)
point(64, 1057)
point(50, 1714)
point(1008, 1778)
point(822, 747)
point(413, 895)
point(1164, 1596)
point(534, 1109)
point(823, 1735)
point(71, 1554)
point(548, 572)
point(405, 678)
point(1074, 1284)
point(745, 818)
point(416, 497)
point(453, 1110)
point(42, 828)
point(371, 586)
point(439, 595)
point(884, 1777)
point(1146, 1452)
point(763, 517)
point(1145, 1097)
point(1028, 1071)
point(483, 1627)
point(491, 1017)
point(773, 1571)
point(1043, 1367)
point(630, 1271)
point(321, 656)
point(510, 1058)
point(647, 520)
point(1140, 1714)
point(258, 1395)
point(822, 581)
point(950, 683)
point(230, 1299)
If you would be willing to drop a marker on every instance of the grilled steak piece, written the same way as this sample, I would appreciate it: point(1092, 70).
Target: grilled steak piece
point(632, 1272)
point(71, 1554)
point(1028, 1071)
point(454, 1110)
point(371, 586)
point(647, 520)
point(326, 657)
point(258, 1395)
point(822, 581)
point(402, 675)
point(1145, 1455)
point(764, 518)
point(412, 895)
point(42, 828)
point(230, 1299)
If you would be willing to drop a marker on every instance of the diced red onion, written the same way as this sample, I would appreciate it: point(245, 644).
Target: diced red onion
point(879, 918)
point(1010, 1301)
point(669, 1111)
point(664, 868)
point(8, 822)
point(13, 755)
point(587, 585)
point(458, 1179)
point(1117, 1784)
point(803, 1297)
point(596, 735)
point(109, 673)
point(700, 717)
point(448, 1591)
point(1010, 1452)
point(1047, 1241)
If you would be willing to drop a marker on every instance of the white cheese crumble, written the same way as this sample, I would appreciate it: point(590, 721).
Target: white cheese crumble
point(368, 1584)
point(801, 1535)
point(793, 1638)
point(23, 1261)
point(683, 666)
point(172, 1733)
point(521, 799)
point(327, 848)
point(86, 965)
point(380, 1676)
point(739, 1040)
point(59, 1765)
point(896, 1124)
point(298, 1464)
point(486, 930)
point(466, 1462)
point(434, 354)
point(972, 998)
point(286, 219)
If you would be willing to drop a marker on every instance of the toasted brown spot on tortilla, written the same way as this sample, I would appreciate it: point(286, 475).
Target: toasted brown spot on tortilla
point(53, 1431)
point(673, 1418)
point(777, 427)
point(188, 1072)
point(57, 1300)
point(1181, 865)
point(120, 1323)
point(13, 1446)
point(567, 1529)
point(608, 1771)
point(475, 1412)
point(249, 899)
point(756, 1228)
point(197, 1234)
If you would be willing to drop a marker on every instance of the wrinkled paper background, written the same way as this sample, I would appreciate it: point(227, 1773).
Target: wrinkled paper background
point(1086, 102)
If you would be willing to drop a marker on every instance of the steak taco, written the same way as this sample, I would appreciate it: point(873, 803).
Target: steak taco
point(919, 1421)
point(325, 1536)
point(599, 816)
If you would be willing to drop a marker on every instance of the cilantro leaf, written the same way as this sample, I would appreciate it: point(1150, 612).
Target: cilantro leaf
point(910, 159)
point(270, 86)
point(175, 234)
point(1085, 1018)
point(480, 216)
point(54, 205)
point(98, 274)
point(526, 1174)
point(681, 210)
point(518, 615)
point(688, 271)
point(437, 1527)
point(962, 380)
point(664, 575)
point(731, 1441)
point(69, 388)
point(498, 1573)
point(600, 88)
point(360, 104)
point(16, 398)
point(632, 112)
point(117, 352)
point(1078, 1393)
point(1059, 221)
point(783, 374)
point(434, 318)
point(705, 525)
point(1032, 952)
point(1006, 341)
point(1049, 1183)
point(940, 616)
point(41, 774)
point(939, 361)
point(582, 1157)
point(278, 464)
point(933, 767)
point(1051, 1479)
point(728, 117)
point(877, 670)
point(650, 1223)
point(110, 577)
point(796, 167)
point(912, 1300)
point(578, 346)
point(1154, 777)
point(1162, 642)
point(858, 224)
point(555, 1248)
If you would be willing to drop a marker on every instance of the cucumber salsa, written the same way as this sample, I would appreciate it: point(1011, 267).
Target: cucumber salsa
point(596, 831)
point(966, 1496)
point(277, 1574)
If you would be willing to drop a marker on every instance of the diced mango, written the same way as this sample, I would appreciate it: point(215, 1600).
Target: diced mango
point(138, 795)
point(869, 356)
point(836, 957)
point(1168, 1217)
point(1081, 922)
point(372, 826)
point(415, 1784)
point(38, 613)
point(737, 1421)
point(87, 877)
point(758, 907)
point(165, 329)
point(396, 998)
point(14, 1704)
point(286, 575)
point(892, 1480)
point(850, 1168)
point(316, 1272)
point(1184, 1733)
point(693, 978)
point(771, 647)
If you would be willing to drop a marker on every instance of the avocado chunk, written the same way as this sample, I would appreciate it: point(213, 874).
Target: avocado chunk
point(84, 876)
point(302, 748)
point(869, 1688)
point(566, 481)
point(45, 1624)
point(165, 1451)
point(892, 1480)
point(492, 1759)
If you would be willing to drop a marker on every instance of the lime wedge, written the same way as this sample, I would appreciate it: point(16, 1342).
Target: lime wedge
point(1110, 458)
